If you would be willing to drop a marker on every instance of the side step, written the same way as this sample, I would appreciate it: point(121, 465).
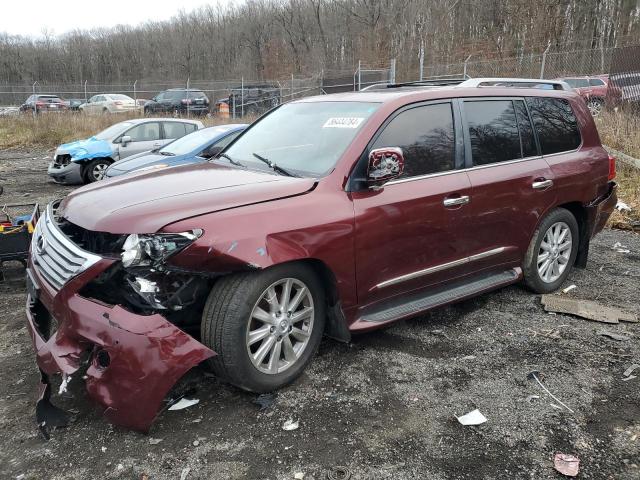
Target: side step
point(418, 302)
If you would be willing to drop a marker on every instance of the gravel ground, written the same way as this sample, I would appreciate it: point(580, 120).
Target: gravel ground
point(382, 407)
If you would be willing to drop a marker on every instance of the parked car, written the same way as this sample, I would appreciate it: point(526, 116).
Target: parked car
point(86, 161)
point(253, 99)
point(624, 89)
point(109, 103)
point(178, 101)
point(592, 88)
point(196, 147)
point(43, 103)
point(333, 215)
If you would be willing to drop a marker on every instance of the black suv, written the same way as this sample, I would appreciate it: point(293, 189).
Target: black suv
point(257, 99)
point(178, 101)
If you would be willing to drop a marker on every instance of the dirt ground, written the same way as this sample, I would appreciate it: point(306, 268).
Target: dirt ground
point(382, 407)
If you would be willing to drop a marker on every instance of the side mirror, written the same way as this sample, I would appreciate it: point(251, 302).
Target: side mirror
point(126, 139)
point(384, 164)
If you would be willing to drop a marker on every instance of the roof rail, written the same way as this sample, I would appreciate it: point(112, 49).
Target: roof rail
point(436, 82)
point(516, 83)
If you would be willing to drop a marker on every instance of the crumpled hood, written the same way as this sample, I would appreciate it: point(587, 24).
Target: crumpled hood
point(144, 202)
point(86, 149)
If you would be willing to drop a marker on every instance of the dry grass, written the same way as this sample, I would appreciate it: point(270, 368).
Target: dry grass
point(50, 130)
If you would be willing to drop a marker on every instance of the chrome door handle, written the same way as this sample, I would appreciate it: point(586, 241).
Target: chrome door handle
point(542, 184)
point(452, 202)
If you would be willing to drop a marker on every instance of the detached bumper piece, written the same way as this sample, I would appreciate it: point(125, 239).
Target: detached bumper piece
point(133, 360)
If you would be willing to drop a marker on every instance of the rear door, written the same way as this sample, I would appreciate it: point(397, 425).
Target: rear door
point(511, 184)
point(413, 231)
point(173, 130)
point(144, 137)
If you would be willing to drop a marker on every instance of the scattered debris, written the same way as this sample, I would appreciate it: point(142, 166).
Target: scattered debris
point(184, 473)
point(47, 414)
point(154, 441)
point(290, 425)
point(569, 288)
point(196, 443)
point(65, 383)
point(620, 248)
point(472, 418)
point(630, 377)
point(298, 476)
point(531, 398)
point(339, 473)
point(184, 403)
point(104, 449)
point(586, 309)
point(614, 336)
point(566, 464)
point(623, 207)
point(631, 369)
point(468, 357)
point(265, 400)
point(535, 375)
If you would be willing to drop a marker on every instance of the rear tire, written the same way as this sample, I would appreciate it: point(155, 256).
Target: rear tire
point(552, 252)
point(95, 170)
point(595, 106)
point(242, 321)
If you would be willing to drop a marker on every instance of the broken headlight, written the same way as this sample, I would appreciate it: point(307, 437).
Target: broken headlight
point(154, 249)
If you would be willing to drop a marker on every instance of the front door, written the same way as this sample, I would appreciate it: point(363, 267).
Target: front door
point(413, 231)
point(144, 137)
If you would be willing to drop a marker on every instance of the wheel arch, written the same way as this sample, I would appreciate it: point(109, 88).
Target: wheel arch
point(579, 212)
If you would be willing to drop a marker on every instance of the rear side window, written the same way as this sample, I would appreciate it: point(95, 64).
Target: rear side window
point(145, 132)
point(596, 82)
point(555, 123)
point(493, 131)
point(190, 127)
point(174, 130)
point(426, 136)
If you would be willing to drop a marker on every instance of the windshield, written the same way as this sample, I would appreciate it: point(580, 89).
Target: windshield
point(191, 142)
point(305, 138)
point(113, 131)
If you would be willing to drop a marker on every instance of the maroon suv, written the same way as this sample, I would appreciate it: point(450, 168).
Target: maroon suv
point(330, 215)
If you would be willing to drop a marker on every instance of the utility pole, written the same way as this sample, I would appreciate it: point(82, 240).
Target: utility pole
point(544, 59)
point(421, 61)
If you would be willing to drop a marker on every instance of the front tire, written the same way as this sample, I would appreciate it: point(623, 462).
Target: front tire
point(552, 252)
point(265, 327)
point(96, 170)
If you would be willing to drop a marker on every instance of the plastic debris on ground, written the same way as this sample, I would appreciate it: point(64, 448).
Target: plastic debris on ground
point(537, 376)
point(586, 309)
point(154, 441)
point(184, 403)
point(290, 425)
point(65, 383)
point(569, 288)
point(566, 464)
point(622, 207)
point(184, 473)
point(298, 476)
point(620, 248)
point(628, 373)
point(472, 418)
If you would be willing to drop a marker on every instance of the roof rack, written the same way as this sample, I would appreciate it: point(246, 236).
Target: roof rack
point(434, 82)
point(515, 83)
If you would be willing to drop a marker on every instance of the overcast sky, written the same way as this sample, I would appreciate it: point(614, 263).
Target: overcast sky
point(30, 17)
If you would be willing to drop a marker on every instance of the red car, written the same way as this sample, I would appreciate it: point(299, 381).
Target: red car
point(593, 89)
point(44, 103)
point(330, 215)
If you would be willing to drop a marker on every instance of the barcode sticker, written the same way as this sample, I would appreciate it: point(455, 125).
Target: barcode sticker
point(343, 122)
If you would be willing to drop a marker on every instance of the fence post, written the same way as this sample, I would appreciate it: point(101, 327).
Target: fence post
point(464, 71)
point(292, 86)
point(392, 71)
point(242, 97)
point(421, 61)
point(135, 94)
point(544, 59)
point(35, 109)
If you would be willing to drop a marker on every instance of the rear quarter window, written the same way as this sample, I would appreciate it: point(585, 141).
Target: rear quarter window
point(555, 123)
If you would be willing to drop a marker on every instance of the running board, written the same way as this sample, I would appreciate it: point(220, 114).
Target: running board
point(426, 300)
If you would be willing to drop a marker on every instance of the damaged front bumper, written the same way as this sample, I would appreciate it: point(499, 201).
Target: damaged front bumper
point(71, 173)
point(133, 360)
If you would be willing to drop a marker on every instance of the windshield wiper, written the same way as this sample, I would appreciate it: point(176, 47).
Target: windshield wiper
point(231, 160)
point(166, 154)
point(273, 166)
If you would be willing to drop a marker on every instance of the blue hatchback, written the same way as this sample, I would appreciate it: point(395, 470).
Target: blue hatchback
point(196, 147)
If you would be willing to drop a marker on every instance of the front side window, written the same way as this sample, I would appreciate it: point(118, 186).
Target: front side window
point(222, 143)
point(174, 130)
point(493, 131)
point(188, 143)
point(555, 123)
point(145, 133)
point(306, 138)
point(426, 136)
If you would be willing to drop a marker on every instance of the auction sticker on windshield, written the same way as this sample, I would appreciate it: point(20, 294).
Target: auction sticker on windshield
point(343, 122)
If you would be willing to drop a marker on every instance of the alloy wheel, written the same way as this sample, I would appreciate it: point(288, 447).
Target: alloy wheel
point(99, 171)
point(554, 252)
point(280, 326)
point(595, 107)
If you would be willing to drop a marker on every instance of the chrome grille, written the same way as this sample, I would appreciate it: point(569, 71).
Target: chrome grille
point(56, 257)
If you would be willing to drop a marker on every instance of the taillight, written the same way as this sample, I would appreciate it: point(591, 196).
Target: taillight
point(40, 104)
point(612, 168)
point(186, 101)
